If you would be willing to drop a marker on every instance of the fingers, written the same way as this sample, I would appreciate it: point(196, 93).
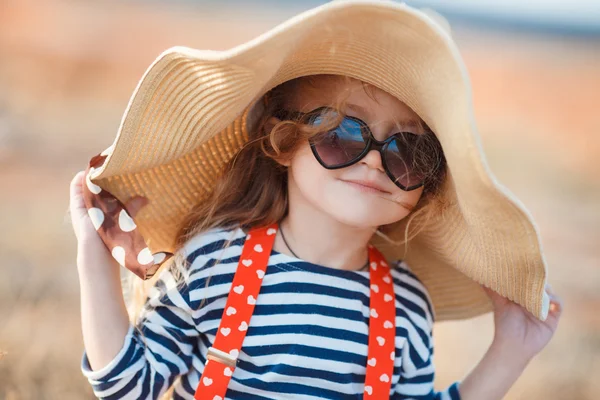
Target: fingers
point(75, 199)
point(76, 183)
point(133, 205)
point(76, 204)
point(556, 303)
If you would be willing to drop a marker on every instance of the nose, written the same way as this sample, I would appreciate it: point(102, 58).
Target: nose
point(373, 160)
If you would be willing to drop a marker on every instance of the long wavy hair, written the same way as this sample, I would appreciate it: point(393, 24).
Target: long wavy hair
point(237, 201)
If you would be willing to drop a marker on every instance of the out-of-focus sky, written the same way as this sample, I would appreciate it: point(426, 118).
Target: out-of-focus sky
point(577, 15)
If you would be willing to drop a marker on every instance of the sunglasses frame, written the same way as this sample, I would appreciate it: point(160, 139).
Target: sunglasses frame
point(371, 142)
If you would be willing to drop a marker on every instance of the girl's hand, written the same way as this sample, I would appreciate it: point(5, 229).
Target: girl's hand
point(82, 224)
point(520, 332)
point(85, 232)
point(519, 336)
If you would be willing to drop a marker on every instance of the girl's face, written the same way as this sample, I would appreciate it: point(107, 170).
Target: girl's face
point(331, 191)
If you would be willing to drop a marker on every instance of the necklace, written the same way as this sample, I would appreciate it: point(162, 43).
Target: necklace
point(292, 251)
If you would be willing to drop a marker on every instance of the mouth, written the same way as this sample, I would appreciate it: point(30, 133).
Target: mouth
point(365, 186)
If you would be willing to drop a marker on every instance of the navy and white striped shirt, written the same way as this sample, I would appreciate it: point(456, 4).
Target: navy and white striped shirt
point(307, 338)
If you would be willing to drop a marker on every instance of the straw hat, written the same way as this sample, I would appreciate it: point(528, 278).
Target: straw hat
point(190, 111)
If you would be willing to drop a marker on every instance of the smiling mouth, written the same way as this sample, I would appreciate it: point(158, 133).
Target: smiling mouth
point(365, 188)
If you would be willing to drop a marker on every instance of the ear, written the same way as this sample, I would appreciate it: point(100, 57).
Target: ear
point(270, 123)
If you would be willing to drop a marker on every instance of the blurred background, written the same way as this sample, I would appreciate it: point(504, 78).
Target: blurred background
point(68, 68)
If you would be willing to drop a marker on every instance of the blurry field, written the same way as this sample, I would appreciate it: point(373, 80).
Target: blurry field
point(67, 70)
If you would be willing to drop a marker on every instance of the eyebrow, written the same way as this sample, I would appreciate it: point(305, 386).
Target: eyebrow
point(406, 122)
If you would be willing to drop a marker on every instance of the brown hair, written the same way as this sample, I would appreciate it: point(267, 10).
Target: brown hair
point(238, 201)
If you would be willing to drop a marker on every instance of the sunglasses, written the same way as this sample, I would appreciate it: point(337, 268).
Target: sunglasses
point(351, 140)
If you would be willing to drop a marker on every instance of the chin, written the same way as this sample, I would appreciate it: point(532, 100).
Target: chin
point(364, 218)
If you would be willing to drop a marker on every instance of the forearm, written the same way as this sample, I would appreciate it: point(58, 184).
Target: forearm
point(495, 374)
point(104, 317)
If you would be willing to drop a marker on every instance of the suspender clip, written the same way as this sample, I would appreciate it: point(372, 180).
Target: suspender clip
point(221, 356)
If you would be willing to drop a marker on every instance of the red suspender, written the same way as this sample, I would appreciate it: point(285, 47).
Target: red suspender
point(222, 356)
point(382, 328)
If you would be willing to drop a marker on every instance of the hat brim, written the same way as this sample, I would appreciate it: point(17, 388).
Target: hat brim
point(186, 119)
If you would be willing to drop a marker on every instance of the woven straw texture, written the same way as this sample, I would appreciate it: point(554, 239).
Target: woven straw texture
point(187, 117)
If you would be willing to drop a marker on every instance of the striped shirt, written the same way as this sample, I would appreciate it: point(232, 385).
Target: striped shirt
point(307, 338)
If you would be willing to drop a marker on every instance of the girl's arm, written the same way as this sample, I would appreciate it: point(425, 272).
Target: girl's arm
point(141, 361)
point(494, 375)
point(104, 318)
point(120, 362)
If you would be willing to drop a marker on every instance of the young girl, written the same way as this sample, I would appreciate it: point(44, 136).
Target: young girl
point(292, 217)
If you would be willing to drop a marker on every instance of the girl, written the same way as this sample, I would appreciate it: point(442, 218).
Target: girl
point(329, 161)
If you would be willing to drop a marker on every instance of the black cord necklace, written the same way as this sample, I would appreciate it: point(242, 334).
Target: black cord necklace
point(292, 251)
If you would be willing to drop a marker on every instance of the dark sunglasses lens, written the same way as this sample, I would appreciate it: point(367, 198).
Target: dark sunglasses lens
point(400, 160)
point(341, 144)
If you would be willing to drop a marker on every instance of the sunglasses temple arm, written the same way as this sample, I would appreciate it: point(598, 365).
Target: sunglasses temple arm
point(288, 115)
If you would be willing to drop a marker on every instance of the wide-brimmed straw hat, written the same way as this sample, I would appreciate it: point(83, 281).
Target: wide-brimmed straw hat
point(189, 115)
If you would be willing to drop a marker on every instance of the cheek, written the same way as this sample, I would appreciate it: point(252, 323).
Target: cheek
point(313, 184)
point(410, 198)
point(405, 201)
point(310, 177)
point(322, 189)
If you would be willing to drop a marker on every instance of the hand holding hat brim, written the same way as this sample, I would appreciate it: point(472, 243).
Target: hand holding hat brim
point(517, 328)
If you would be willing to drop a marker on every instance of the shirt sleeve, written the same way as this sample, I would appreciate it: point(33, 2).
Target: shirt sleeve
point(418, 370)
point(155, 351)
